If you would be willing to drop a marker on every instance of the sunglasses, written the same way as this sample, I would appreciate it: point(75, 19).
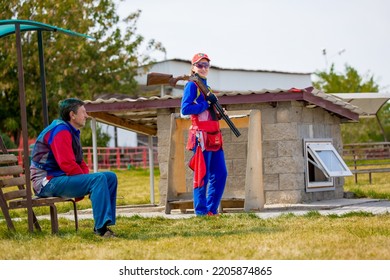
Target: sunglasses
point(201, 65)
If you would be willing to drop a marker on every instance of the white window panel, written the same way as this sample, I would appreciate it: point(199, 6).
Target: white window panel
point(328, 159)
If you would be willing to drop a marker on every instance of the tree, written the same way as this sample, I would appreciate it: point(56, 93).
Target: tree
point(7, 141)
point(86, 136)
point(75, 66)
point(350, 81)
point(367, 129)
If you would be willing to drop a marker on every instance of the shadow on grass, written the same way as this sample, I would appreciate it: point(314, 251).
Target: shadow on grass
point(159, 228)
point(146, 229)
point(140, 228)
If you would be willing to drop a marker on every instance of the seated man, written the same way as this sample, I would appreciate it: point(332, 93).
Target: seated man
point(58, 167)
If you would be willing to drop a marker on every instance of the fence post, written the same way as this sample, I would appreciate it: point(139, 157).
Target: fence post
point(144, 157)
point(354, 163)
point(20, 157)
point(89, 157)
point(94, 145)
point(118, 158)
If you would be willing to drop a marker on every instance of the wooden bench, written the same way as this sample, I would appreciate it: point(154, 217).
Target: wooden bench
point(184, 202)
point(179, 186)
point(13, 193)
point(367, 158)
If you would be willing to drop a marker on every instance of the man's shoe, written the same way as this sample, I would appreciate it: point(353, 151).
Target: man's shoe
point(106, 233)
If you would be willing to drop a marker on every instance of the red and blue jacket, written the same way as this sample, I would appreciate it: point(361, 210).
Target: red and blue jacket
point(57, 152)
point(193, 103)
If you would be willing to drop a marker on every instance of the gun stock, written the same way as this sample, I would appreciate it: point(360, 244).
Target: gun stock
point(164, 79)
point(167, 79)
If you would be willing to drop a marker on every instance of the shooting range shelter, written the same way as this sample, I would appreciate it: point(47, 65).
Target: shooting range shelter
point(274, 161)
point(15, 26)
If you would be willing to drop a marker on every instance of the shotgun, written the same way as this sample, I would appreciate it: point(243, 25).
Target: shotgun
point(167, 79)
point(203, 88)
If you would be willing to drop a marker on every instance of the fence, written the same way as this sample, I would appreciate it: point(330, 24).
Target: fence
point(367, 158)
point(112, 158)
point(366, 151)
point(127, 157)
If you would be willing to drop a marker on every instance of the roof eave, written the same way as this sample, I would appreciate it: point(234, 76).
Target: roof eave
point(134, 105)
point(331, 107)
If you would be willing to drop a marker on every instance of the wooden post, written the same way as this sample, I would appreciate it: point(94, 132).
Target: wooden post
point(23, 115)
point(254, 189)
point(176, 173)
point(118, 158)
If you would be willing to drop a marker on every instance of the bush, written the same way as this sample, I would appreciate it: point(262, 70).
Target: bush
point(9, 144)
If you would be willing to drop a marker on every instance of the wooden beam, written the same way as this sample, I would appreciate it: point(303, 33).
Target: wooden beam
point(23, 120)
point(330, 106)
point(254, 188)
point(125, 124)
point(137, 104)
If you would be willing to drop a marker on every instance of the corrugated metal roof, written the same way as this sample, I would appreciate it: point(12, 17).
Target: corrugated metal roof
point(140, 114)
point(369, 102)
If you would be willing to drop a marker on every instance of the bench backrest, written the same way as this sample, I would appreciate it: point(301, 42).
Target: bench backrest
point(14, 194)
point(12, 179)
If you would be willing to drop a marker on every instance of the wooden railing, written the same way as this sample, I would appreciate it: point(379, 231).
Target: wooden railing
point(367, 158)
point(112, 158)
point(362, 152)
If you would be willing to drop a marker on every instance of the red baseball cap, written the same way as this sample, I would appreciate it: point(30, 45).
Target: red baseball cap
point(199, 56)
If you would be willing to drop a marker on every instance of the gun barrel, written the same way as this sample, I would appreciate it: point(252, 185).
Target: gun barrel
point(227, 120)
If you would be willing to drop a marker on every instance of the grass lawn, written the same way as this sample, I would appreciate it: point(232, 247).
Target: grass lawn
point(380, 187)
point(230, 236)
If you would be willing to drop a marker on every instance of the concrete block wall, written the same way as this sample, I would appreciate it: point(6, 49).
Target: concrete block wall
point(284, 129)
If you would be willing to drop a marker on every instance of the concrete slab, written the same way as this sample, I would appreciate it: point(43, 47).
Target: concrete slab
point(324, 207)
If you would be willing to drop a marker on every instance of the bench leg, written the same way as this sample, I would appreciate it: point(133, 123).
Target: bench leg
point(53, 219)
point(76, 221)
point(370, 177)
point(4, 208)
point(36, 222)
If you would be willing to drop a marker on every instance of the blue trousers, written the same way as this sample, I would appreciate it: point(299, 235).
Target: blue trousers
point(101, 187)
point(208, 197)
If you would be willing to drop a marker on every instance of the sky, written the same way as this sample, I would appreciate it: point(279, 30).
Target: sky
point(301, 36)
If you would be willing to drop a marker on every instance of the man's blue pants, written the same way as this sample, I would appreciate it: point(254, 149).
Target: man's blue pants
point(101, 186)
